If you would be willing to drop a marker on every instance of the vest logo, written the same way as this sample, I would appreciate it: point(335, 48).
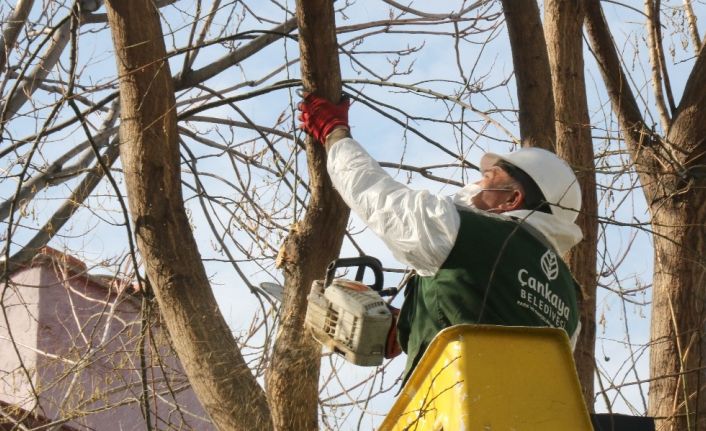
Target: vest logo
point(550, 265)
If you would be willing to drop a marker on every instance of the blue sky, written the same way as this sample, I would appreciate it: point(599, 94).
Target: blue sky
point(94, 233)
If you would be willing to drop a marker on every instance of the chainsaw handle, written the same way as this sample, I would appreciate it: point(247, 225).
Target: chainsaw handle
point(361, 262)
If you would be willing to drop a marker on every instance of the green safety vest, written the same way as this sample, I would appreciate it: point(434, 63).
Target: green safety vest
point(499, 272)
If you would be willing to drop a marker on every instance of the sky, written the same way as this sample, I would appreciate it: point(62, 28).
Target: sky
point(623, 327)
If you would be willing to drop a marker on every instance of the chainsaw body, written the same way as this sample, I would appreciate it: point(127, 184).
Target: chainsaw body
point(350, 317)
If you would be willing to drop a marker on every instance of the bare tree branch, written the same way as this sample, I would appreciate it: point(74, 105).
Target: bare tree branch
point(59, 40)
point(693, 28)
point(192, 78)
point(532, 74)
point(62, 215)
point(657, 61)
point(11, 31)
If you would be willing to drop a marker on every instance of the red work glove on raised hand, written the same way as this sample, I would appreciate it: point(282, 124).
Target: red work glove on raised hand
point(319, 116)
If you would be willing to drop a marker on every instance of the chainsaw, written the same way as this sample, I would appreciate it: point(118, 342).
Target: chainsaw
point(348, 316)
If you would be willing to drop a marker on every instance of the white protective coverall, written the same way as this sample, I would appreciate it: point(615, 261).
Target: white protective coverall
point(419, 227)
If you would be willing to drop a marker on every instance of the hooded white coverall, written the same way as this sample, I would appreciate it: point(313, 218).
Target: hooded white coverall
point(417, 226)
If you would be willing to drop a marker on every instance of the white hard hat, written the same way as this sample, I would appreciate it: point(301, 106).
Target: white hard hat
point(553, 176)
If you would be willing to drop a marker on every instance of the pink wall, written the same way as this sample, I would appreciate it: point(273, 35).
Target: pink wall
point(20, 309)
point(82, 341)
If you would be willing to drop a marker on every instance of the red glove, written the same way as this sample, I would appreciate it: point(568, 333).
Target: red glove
point(319, 116)
point(392, 347)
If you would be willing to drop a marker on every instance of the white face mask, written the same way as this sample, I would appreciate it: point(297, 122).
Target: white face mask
point(464, 197)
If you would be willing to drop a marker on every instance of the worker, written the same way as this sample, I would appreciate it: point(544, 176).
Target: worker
point(491, 254)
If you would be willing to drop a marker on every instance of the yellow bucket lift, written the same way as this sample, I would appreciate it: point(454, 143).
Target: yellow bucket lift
point(479, 377)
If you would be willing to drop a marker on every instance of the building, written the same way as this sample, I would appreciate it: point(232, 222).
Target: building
point(78, 352)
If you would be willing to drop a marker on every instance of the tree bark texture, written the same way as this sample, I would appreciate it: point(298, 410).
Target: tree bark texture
point(678, 352)
point(673, 175)
point(532, 73)
point(150, 156)
point(563, 25)
point(292, 378)
point(678, 348)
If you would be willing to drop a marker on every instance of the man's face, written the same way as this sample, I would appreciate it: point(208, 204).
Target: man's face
point(499, 191)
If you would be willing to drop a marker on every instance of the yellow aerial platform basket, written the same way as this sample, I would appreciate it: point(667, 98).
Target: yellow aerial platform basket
point(479, 377)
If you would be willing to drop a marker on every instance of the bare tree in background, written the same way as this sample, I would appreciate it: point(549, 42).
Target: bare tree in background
point(669, 154)
point(149, 145)
point(208, 145)
point(553, 114)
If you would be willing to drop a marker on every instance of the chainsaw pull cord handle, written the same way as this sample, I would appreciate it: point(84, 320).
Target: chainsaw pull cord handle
point(361, 263)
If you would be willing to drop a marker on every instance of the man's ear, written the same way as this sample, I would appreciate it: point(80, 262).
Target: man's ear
point(515, 201)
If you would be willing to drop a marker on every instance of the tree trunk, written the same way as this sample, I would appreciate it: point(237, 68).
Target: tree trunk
point(563, 25)
point(150, 156)
point(678, 352)
point(678, 345)
point(532, 73)
point(673, 177)
point(292, 378)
